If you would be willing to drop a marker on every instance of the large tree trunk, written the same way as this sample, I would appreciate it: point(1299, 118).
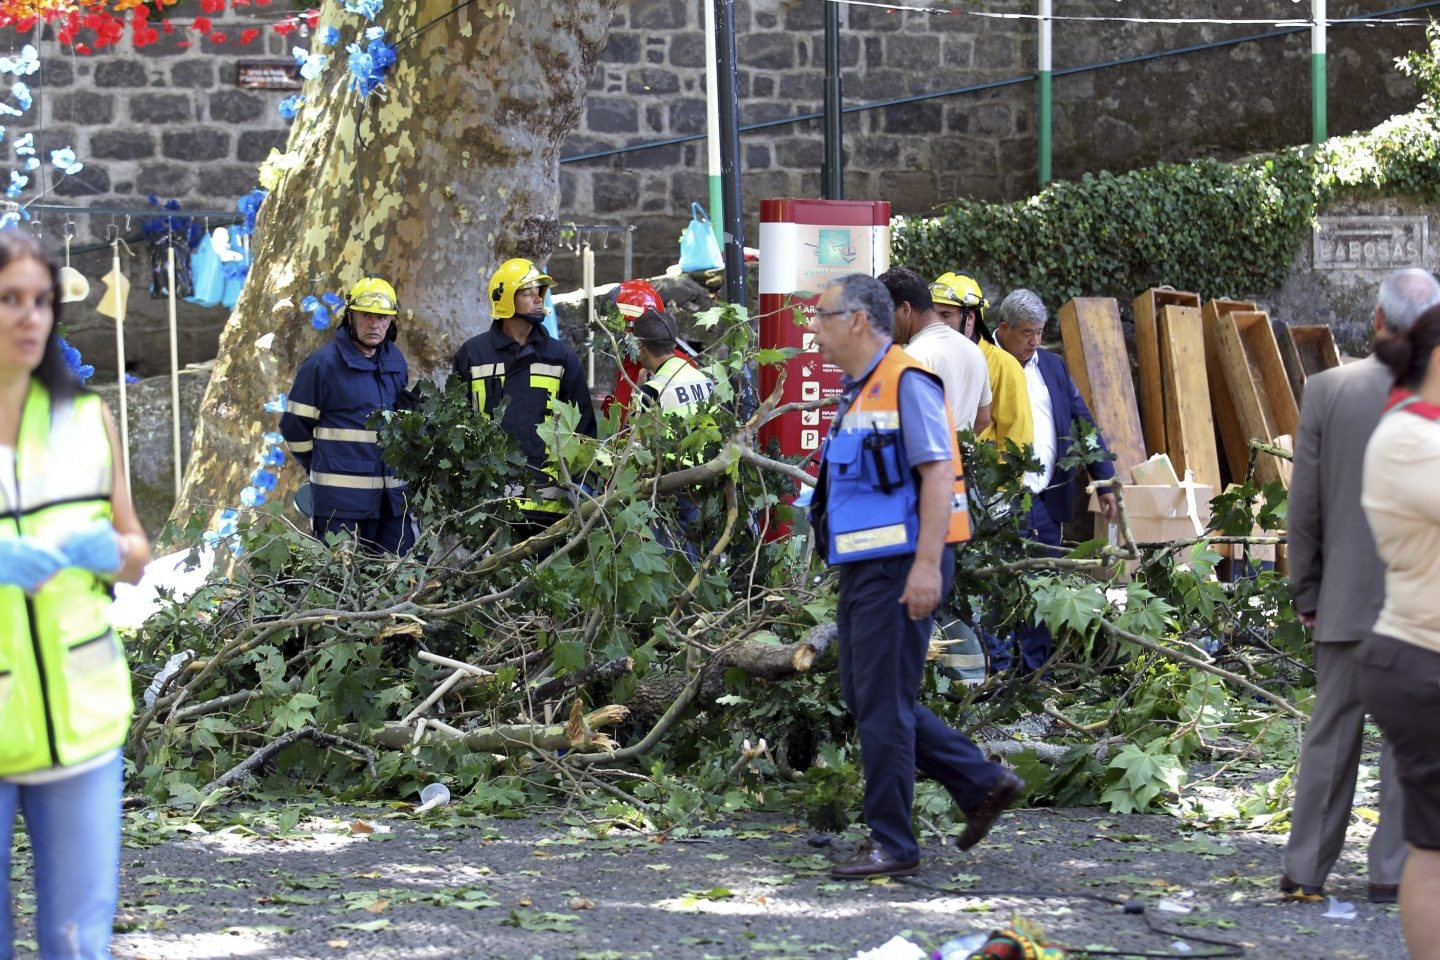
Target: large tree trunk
point(448, 169)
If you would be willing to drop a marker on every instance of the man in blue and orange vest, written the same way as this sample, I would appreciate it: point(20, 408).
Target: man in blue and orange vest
point(889, 501)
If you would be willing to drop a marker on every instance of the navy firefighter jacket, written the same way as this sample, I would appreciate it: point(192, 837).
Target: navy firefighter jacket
point(532, 376)
point(336, 390)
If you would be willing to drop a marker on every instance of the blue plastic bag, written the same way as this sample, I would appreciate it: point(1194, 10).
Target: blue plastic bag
point(209, 282)
point(698, 249)
point(236, 267)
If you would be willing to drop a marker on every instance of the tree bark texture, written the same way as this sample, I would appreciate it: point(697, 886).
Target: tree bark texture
point(448, 169)
point(764, 661)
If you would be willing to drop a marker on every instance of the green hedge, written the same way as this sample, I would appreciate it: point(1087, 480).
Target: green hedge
point(1217, 228)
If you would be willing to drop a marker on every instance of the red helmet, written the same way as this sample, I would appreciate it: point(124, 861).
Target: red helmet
point(634, 297)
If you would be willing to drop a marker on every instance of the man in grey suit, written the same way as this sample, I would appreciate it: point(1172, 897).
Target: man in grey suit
point(1337, 586)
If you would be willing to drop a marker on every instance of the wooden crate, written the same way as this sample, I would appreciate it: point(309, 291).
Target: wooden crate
point(1147, 309)
point(1189, 425)
point(1307, 350)
point(1095, 353)
point(1227, 424)
point(1256, 379)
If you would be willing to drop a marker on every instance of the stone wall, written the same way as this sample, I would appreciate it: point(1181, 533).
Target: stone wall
point(169, 120)
point(166, 120)
point(1225, 102)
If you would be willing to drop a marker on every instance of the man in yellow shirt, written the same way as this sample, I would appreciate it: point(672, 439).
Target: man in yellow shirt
point(959, 303)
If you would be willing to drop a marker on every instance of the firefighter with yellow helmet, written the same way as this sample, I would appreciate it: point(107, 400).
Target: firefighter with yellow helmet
point(325, 423)
point(961, 304)
point(517, 360)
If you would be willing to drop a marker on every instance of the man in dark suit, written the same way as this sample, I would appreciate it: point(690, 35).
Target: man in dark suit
point(1056, 407)
point(1337, 586)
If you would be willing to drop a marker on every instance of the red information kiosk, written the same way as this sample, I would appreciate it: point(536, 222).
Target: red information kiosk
point(804, 244)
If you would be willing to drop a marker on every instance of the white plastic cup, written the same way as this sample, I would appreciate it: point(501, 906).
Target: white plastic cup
point(434, 795)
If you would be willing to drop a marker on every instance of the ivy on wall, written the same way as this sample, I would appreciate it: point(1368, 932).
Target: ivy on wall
point(1225, 229)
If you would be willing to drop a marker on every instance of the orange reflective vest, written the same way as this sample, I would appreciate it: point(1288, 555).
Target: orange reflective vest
point(869, 502)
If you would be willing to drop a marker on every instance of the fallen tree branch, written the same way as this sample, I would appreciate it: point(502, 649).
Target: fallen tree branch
point(656, 734)
point(263, 755)
point(757, 658)
point(1198, 664)
point(593, 673)
point(507, 737)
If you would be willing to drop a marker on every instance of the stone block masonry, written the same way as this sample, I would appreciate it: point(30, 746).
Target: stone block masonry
point(167, 121)
point(1228, 102)
point(170, 120)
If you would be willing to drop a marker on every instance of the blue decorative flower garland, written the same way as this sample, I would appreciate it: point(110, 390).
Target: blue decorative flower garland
point(367, 67)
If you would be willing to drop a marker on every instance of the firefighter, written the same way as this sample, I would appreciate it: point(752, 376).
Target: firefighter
point(676, 388)
point(959, 302)
point(336, 390)
point(517, 360)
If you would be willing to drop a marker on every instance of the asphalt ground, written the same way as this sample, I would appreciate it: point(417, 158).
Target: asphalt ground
point(381, 882)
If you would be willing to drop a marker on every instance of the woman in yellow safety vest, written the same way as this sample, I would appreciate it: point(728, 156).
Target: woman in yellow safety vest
point(67, 531)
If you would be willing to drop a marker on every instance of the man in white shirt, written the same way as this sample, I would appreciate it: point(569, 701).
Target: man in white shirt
point(956, 360)
point(1056, 406)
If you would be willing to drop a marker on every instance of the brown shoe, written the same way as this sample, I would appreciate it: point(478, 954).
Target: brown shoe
point(979, 820)
point(1384, 893)
point(872, 860)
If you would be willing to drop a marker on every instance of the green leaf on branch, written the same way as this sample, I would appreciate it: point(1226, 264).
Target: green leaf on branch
point(1062, 604)
point(295, 712)
point(1144, 774)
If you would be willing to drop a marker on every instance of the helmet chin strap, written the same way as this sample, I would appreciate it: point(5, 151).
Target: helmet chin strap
point(536, 318)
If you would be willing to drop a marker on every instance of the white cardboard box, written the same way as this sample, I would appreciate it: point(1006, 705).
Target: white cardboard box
point(1159, 514)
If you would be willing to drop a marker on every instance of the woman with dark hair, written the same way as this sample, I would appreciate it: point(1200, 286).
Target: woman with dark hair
point(1401, 663)
point(67, 531)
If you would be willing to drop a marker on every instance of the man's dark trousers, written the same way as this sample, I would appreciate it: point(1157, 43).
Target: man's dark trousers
point(1036, 643)
point(388, 533)
point(882, 659)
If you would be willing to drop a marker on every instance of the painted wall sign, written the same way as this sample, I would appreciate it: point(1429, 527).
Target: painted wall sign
point(268, 75)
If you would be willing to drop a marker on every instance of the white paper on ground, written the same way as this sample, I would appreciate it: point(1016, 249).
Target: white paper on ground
point(896, 948)
point(1340, 910)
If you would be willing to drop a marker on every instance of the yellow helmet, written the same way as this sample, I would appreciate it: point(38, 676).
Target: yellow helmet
point(510, 278)
point(373, 295)
point(958, 290)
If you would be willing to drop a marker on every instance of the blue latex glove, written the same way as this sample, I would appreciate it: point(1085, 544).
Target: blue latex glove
point(27, 563)
point(95, 547)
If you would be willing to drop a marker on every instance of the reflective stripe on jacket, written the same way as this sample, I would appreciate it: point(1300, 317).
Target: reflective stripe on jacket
point(532, 376)
point(336, 390)
point(870, 503)
point(64, 685)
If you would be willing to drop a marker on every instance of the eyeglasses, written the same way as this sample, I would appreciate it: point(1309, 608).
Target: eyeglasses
point(833, 313)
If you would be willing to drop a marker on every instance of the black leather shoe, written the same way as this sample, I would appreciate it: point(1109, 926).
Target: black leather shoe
point(1384, 893)
point(979, 820)
point(1299, 891)
point(872, 860)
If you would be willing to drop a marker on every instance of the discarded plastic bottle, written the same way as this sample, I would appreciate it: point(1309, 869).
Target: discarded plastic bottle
point(961, 948)
point(434, 795)
point(172, 667)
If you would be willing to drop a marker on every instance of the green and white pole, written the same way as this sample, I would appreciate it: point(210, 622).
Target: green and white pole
point(1317, 74)
point(1044, 112)
point(712, 126)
